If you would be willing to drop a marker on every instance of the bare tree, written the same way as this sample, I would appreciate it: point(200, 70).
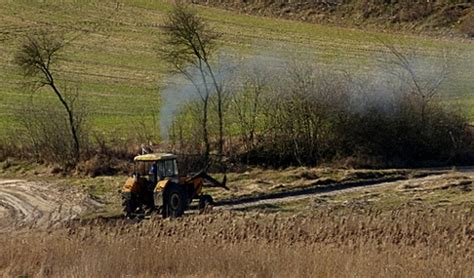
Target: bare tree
point(35, 57)
point(424, 82)
point(247, 103)
point(189, 44)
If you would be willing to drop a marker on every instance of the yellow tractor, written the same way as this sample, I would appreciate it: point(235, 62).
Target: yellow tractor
point(156, 186)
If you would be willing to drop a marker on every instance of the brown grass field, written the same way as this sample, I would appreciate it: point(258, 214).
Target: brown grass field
point(407, 242)
point(415, 227)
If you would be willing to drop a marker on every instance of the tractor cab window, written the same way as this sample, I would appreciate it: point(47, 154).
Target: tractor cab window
point(170, 168)
point(161, 169)
point(167, 168)
point(148, 169)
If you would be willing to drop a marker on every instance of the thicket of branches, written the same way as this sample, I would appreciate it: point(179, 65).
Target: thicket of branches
point(304, 113)
point(307, 114)
point(44, 132)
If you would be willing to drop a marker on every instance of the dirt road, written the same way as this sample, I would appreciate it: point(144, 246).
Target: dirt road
point(336, 189)
point(38, 204)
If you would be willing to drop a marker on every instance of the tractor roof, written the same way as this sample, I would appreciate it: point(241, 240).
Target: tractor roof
point(154, 157)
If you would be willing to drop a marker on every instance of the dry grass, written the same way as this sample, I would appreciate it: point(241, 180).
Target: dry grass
point(447, 190)
point(429, 193)
point(263, 181)
point(400, 230)
point(331, 243)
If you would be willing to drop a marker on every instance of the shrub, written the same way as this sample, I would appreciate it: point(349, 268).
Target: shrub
point(467, 24)
point(309, 115)
point(45, 135)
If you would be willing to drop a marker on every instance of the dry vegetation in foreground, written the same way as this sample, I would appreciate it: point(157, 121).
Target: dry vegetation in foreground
point(333, 243)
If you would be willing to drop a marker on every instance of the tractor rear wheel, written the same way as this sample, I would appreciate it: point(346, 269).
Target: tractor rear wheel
point(175, 201)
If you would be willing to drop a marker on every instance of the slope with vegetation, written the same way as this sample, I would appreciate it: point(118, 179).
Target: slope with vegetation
point(440, 15)
point(112, 63)
point(113, 60)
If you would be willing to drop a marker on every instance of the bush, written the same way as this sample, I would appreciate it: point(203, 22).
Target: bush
point(44, 134)
point(467, 24)
point(404, 138)
point(309, 115)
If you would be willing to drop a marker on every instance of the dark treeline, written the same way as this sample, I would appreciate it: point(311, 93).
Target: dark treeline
point(307, 115)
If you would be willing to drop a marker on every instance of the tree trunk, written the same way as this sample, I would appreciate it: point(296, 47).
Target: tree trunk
point(219, 110)
point(71, 120)
point(221, 126)
point(207, 147)
point(205, 99)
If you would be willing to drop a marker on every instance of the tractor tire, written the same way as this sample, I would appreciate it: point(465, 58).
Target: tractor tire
point(205, 201)
point(175, 201)
point(146, 199)
point(129, 204)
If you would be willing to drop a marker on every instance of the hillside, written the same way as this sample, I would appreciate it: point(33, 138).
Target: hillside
point(114, 65)
point(436, 16)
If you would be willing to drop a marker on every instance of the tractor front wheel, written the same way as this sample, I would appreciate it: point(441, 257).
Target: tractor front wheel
point(129, 204)
point(175, 201)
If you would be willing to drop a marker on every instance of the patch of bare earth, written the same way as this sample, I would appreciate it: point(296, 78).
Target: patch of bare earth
point(35, 204)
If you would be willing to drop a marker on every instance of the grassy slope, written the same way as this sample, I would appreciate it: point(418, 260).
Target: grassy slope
point(440, 16)
point(116, 67)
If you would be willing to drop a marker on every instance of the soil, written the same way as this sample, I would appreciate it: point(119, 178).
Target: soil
point(438, 175)
point(28, 204)
point(35, 204)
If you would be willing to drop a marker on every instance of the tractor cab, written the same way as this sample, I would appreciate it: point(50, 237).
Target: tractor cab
point(156, 166)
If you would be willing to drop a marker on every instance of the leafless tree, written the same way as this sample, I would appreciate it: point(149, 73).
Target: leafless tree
point(247, 103)
point(423, 82)
point(189, 44)
point(36, 57)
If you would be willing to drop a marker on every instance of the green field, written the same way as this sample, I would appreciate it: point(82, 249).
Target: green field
point(115, 66)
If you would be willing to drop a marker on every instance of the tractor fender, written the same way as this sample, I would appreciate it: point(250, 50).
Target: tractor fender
point(131, 185)
point(158, 192)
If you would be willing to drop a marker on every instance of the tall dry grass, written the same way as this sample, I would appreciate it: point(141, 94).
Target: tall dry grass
point(327, 243)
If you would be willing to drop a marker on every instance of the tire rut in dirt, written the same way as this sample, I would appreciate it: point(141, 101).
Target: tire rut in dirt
point(37, 204)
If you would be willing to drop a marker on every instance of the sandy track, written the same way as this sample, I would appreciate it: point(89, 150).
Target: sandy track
point(334, 190)
point(38, 204)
